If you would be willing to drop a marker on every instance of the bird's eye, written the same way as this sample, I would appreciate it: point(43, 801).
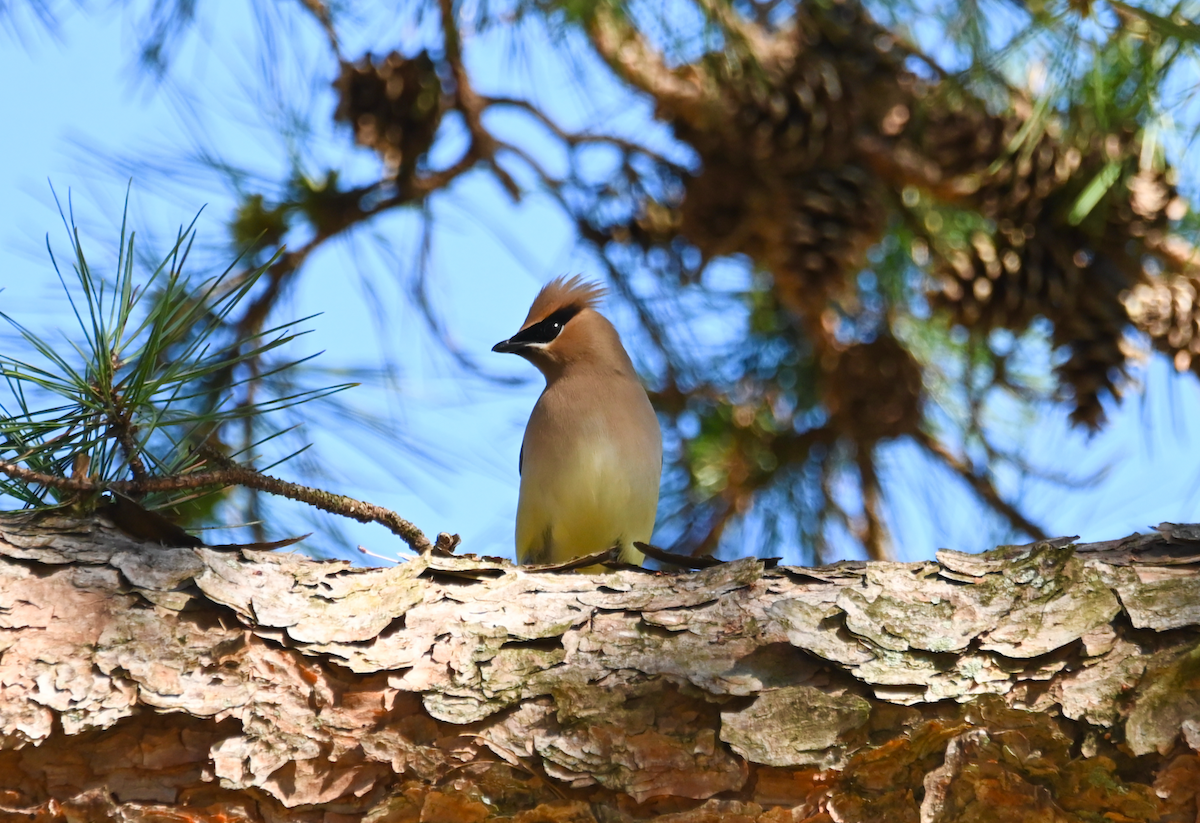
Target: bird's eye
point(545, 331)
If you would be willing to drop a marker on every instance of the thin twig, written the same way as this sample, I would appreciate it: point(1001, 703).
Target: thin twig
point(320, 11)
point(290, 262)
point(575, 139)
point(641, 65)
point(982, 487)
point(483, 145)
point(237, 476)
point(740, 29)
point(121, 427)
point(708, 545)
point(873, 535)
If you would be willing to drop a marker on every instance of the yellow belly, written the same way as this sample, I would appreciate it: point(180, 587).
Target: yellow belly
point(586, 502)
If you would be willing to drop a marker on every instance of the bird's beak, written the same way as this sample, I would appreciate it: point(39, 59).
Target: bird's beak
point(509, 347)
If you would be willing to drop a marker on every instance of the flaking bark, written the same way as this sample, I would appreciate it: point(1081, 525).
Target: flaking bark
point(1044, 682)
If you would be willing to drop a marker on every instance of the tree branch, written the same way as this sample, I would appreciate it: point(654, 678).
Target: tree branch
point(638, 63)
point(142, 682)
point(873, 535)
point(483, 145)
point(237, 476)
point(982, 487)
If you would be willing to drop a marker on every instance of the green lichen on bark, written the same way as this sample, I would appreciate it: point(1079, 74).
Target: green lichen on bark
point(795, 726)
point(1168, 697)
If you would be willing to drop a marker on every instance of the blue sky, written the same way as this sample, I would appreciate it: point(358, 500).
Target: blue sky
point(80, 102)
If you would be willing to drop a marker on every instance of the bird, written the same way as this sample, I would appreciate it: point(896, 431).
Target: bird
point(591, 457)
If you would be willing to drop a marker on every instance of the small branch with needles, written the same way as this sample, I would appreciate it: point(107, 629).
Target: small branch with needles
point(236, 476)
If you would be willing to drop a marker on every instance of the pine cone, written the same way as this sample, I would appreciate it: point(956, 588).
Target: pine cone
point(959, 134)
point(1099, 313)
point(799, 149)
point(394, 107)
point(1042, 259)
point(835, 216)
point(873, 391)
point(780, 182)
point(1005, 281)
point(1167, 309)
point(1092, 334)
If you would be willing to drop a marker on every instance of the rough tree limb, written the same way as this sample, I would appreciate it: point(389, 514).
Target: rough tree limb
point(1046, 682)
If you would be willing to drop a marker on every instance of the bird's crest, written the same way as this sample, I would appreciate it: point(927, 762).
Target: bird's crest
point(564, 293)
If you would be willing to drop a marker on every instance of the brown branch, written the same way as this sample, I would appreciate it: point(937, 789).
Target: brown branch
point(321, 11)
point(277, 276)
point(71, 484)
point(483, 145)
point(981, 485)
point(352, 214)
point(237, 476)
point(290, 262)
point(423, 186)
point(741, 30)
point(575, 139)
point(831, 511)
point(709, 544)
point(638, 63)
point(122, 429)
point(280, 273)
point(873, 536)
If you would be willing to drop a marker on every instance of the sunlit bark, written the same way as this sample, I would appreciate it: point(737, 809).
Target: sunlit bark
point(1046, 682)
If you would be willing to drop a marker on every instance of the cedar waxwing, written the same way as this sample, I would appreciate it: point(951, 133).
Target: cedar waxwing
point(592, 455)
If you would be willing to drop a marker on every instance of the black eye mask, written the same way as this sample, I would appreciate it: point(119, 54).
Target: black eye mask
point(546, 330)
